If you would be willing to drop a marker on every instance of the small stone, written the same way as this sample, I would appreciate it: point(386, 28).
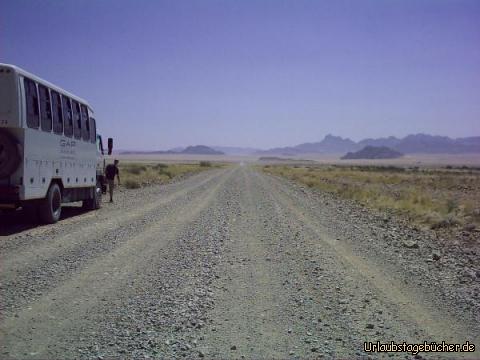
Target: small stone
point(410, 244)
point(470, 273)
point(201, 354)
point(370, 326)
point(436, 255)
point(314, 349)
point(233, 347)
point(469, 227)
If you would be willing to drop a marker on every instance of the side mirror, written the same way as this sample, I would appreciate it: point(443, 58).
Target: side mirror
point(110, 146)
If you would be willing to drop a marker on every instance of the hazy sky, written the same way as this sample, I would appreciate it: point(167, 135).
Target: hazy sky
point(255, 73)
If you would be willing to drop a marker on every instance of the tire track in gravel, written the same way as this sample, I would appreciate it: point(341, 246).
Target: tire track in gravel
point(38, 268)
point(408, 313)
point(247, 319)
point(56, 317)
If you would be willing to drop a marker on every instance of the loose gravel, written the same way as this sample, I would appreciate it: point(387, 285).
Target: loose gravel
point(230, 263)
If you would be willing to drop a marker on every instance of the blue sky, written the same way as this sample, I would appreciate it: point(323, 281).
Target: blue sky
point(256, 73)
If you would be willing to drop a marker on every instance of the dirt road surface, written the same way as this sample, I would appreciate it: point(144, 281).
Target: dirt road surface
point(229, 263)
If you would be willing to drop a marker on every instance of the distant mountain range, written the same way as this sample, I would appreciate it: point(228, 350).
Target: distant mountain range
point(190, 150)
point(419, 143)
point(331, 144)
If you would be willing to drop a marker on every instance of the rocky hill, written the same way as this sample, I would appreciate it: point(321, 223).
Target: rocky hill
point(200, 150)
point(373, 152)
point(330, 144)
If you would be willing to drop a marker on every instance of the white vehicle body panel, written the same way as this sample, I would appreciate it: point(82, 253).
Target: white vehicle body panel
point(49, 156)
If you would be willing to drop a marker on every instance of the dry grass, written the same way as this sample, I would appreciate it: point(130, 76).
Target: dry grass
point(447, 197)
point(136, 175)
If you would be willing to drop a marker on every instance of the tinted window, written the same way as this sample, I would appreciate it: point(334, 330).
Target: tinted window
point(45, 108)
point(77, 120)
point(57, 113)
point(85, 123)
point(67, 116)
point(31, 98)
point(93, 130)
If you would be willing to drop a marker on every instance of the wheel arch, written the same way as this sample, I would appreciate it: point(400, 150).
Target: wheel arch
point(59, 182)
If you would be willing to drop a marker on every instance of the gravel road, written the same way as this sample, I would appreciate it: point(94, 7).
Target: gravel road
point(231, 263)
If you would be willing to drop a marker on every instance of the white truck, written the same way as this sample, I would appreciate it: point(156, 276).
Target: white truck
point(50, 151)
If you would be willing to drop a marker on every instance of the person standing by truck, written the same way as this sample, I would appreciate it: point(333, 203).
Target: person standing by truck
point(110, 172)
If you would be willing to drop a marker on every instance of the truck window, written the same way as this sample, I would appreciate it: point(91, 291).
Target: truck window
point(99, 144)
point(67, 116)
point(57, 113)
point(85, 123)
point(77, 120)
point(93, 130)
point(45, 108)
point(31, 97)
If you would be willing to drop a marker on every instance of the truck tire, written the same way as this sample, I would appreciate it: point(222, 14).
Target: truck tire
point(96, 202)
point(50, 208)
point(9, 155)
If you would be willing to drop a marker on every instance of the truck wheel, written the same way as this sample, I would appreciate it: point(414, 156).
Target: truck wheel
point(96, 202)
point(50, 208)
